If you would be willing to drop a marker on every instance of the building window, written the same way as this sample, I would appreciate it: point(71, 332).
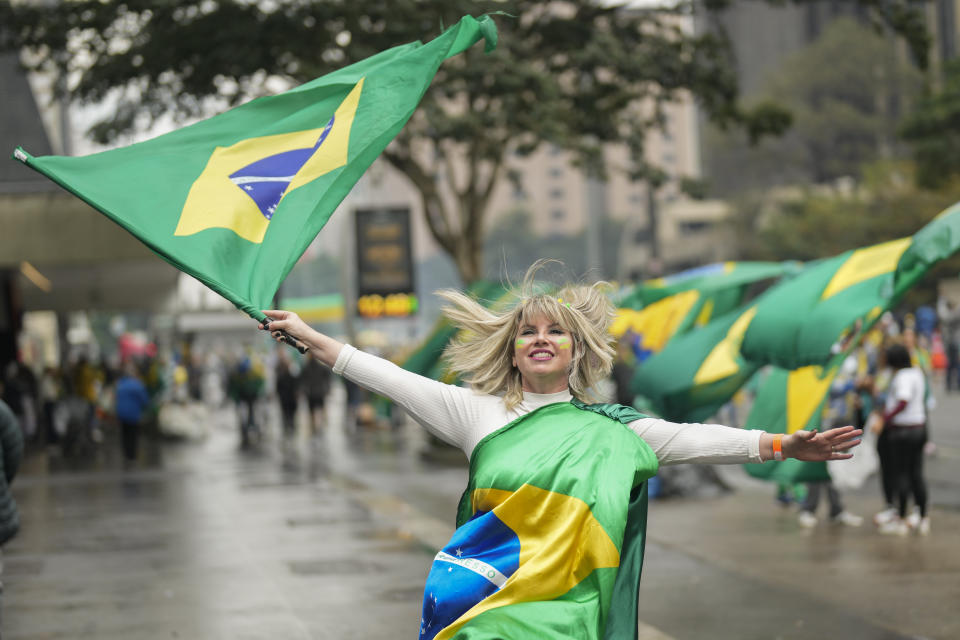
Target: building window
point(558, 214)
point(556, 172)
point(556, 194)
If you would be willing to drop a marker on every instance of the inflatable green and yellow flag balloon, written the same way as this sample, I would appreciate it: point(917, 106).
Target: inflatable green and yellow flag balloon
point(797, 323)
point(656, 311)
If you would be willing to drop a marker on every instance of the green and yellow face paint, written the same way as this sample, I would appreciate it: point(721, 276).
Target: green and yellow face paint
point(563, 342)
point(521, 343)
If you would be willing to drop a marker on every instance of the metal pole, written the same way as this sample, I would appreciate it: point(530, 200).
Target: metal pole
point(63, 102)
point(653, 215)
point(348, 267)
point(596, 209)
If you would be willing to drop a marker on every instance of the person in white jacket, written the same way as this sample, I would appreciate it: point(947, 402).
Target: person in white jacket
point(905, 417)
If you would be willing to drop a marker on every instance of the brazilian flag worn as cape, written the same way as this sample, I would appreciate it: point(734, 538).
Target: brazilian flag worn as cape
point(550, 531)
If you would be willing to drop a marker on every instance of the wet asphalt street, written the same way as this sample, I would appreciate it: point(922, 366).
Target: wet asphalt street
point(332, 537)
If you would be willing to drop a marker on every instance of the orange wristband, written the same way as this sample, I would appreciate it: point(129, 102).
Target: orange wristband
point(778, 446)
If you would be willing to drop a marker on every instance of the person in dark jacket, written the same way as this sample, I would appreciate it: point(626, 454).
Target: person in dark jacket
point(287, 388)
point(11, 452)
point(315, 381)
point(131, 400)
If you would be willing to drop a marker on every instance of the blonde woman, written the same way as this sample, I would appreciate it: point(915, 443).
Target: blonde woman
point(550, 531)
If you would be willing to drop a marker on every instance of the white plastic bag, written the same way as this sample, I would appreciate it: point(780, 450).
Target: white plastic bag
point(187, 420)
point(851, 474)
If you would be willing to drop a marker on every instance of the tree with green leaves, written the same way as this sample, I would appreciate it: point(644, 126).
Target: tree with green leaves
point(574, 74)
point(823, 222)
point(933, 130)
point(846, 92)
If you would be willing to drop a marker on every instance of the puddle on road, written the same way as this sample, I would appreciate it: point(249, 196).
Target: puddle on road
point(328, 519)
point(13, 566)
point(347, 566)
point(115, 543)
point(273, 484)
point(401, 594)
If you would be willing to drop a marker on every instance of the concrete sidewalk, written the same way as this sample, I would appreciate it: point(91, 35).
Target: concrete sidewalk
point(334, 538)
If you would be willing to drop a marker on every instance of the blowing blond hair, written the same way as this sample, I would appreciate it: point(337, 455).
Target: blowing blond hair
point(482, 352)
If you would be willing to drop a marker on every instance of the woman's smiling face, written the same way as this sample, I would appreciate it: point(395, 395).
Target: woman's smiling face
point(542, 352)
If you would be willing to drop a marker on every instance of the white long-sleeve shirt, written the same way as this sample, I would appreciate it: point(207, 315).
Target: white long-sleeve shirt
point(462, 417)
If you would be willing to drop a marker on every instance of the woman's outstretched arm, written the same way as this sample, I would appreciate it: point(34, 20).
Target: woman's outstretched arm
point(679, 443)
point(451, 413)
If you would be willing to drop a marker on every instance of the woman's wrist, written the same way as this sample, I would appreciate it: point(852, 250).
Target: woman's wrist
point(323, 347)
point(789, 445)
point(776, 446)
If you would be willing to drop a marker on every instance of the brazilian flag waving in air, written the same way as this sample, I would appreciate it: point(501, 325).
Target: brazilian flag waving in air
point(235, 200)
point(550, 531)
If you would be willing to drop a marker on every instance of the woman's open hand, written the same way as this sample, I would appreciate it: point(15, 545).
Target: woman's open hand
point(814, 446)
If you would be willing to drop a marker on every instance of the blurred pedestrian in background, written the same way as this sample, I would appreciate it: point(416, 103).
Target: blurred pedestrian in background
point(246, 387)
point(622, 373)
point(51, 390)
point(287, 388)
point(87, 381)
point(11, 453)
point(564, 477)
point(839, 412)
point(905, 421)
point(20, 394)
point(925, 321)
point(315, 381)
point(919, 349)
point(880, 385)
point(950, 324)
point(131, 399)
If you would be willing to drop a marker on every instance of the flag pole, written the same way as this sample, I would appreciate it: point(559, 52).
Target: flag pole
point(290, 340)
point(284, 336)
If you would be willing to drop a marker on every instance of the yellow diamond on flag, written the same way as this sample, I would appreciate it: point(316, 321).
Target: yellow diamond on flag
point(864, 264)
point(243, 184)
point(722, 361)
